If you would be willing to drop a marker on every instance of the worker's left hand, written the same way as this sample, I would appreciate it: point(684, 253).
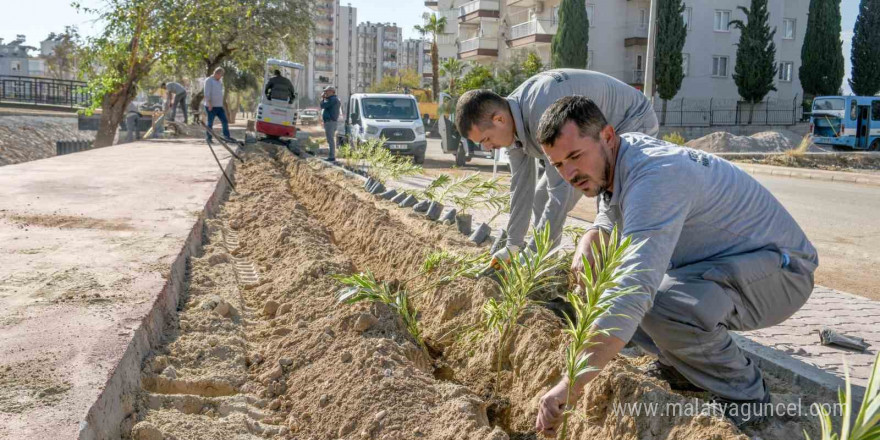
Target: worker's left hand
point(551, 409)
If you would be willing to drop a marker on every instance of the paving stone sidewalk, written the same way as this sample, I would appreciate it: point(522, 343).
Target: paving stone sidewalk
point(798, 337)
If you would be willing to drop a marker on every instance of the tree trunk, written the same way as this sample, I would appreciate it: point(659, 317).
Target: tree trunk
point(112, 111)
point(751, 111)
point(663, 114)
point(435, 69)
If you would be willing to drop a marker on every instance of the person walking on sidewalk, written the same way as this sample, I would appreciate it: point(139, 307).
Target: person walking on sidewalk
point(719, 253)
point(175, 97)
point(493, 121)
point(330, 115)
point(214, 102)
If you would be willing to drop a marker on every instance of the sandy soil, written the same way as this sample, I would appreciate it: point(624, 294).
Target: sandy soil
point(262, 349)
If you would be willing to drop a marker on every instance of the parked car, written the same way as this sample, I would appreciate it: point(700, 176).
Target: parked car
point(154, 104)
point(308, 116)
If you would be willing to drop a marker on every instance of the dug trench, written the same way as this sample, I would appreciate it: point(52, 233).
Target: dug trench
point(261, 347)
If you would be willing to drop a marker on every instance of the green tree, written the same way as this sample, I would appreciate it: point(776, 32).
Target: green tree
point(434, 25)
point(569, 46)
point(406, 79)
point(63, 62)
point(137, 33)
point(865, 79)
point(478, 77)
point(532, 65)
point(452, 68)
point(821, 71)
point(671, 35)
point(245, 32)
point(755, 68)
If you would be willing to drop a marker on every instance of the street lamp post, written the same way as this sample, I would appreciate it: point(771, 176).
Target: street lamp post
point(652, 48)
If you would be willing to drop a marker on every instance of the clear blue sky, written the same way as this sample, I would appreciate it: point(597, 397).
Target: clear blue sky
point(36, 18)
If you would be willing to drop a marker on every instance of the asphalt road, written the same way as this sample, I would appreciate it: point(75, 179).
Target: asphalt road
point(841, 219)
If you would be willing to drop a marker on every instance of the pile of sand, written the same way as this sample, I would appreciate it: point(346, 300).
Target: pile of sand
point(764, 142)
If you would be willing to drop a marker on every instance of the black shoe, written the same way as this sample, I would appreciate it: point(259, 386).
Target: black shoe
point(744, 412)
point(670, 375)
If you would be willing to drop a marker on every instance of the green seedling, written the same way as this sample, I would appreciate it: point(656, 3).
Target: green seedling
point(867, 422)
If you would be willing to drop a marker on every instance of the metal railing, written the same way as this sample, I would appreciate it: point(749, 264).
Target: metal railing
point(33, 90)
point(478, 5)
point(532, 27)
point(638, 77)
point(478, 43)
point(711, 112)
point(636, 30)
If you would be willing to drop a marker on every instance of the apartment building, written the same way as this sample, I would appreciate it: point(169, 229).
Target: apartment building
point(345, 63)
point(415, 55)
point(492, 31)
point(14, 58)
point(378, 54)
point(321, 65)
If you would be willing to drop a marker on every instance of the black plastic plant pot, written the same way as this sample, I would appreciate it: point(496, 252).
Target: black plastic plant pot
point(463, 222)
point(422, 206)
point(480, 234)
point(370, 181)
point(409, 201)
point(378, 188)
point(399, 198)
point(500, 241)
point(390, 194)
point(448, 217)
point(434, 210)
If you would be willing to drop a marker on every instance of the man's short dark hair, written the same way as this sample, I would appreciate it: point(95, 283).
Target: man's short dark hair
point(578, 109)
point(277, 72)
point(476, 107)
point(163, 85)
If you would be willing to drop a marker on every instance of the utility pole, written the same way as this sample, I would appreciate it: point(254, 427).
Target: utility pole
point(652, 49)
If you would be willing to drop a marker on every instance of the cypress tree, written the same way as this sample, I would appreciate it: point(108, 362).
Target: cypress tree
point(821, 70)
point(671, 35)
point(865, 80)
point(755, 55)
point(569, 46)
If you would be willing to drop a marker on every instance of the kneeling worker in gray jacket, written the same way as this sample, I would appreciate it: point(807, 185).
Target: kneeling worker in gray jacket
point(493, 121)
point(720, 253)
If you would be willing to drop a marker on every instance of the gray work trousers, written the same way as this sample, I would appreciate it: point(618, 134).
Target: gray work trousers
point(697, 305)
point(330, 132)
point(179, 101)
point(131, 126)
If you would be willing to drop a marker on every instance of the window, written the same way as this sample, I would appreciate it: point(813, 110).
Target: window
point(590, 15)
point(719, 66)
point(589, 59)
point(16, 66)
point(555, 10)
point(785, 71)
point(643, 18)
point(875, 110)
point(853, 110)
point(788, 25)
point(722, 21)
point(685, 63)
point(639, 62)
point(686, 15)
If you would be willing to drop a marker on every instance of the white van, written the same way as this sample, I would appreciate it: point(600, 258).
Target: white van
point(394, 117)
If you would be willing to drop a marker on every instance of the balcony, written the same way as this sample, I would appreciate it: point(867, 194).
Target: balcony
point(636, 35)
point(431, 4)
point(532, 32)
point(471, 13)
point(522, 3)
point(478, 49)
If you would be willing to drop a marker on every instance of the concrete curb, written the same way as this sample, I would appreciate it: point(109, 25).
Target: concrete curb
point(804, 173)
point(812, 380)
point(116, 401)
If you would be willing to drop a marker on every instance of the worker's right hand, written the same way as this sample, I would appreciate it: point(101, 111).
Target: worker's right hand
point(503, 255)
point(584, 248)
point(210, 108)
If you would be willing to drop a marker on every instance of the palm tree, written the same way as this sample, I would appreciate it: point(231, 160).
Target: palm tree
point(433, 25)
point(453, 68)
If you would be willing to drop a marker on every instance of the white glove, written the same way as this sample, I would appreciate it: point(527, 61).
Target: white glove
point(503, 255)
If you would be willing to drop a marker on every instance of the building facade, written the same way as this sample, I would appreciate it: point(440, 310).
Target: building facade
point(489, 32)
point(320, 67)
point(378, 53)
point(14, 57)
point(346, 43)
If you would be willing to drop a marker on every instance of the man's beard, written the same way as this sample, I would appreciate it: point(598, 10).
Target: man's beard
point(602, 182)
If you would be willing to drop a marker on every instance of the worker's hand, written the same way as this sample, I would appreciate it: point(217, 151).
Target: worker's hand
point(210, 108)
point(502, 255)
point(551, 409)
point(584, 248)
